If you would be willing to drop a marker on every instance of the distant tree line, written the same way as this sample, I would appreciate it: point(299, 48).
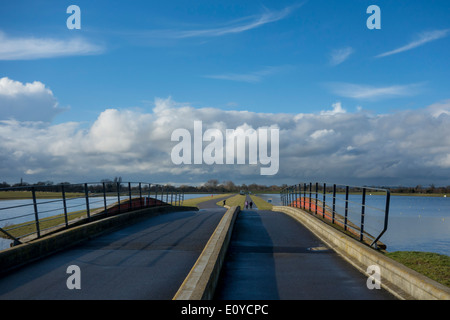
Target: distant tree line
point(211, 186)
point(421, 190)
point(214, 186)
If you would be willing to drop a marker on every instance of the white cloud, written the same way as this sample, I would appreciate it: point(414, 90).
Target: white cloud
point(399, 148)
point(440, 108)
point(27, 102)
point(337, 108)
point(358, 91)
point(318, 134)
point(340, 55)
point(29, 48)
point(251, 77)
point(420, 40)
point(236, 26)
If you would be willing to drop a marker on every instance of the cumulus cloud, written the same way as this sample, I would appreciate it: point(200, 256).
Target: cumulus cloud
point(338, 146)
point(27, 101)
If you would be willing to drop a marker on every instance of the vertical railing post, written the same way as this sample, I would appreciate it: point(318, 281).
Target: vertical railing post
point(291, 196)
point(304, 195)
point(300, 195)
point(130, 204)
point(36, 215)
point(147, 203)
point(118, 195)
point(287, 196)
point(386, 216)
point(104, 198)
point(86, 193)
point(363, 208)
point(317, 191)
point(140, 195)
point(346, 207)
point(310, 196)
point(171, 197)
point(63, 193)
point(334, 203)
point(323, 201)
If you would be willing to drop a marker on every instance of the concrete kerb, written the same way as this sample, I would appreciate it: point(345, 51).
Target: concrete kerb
point(202, 280)
point(20, 255)
point(402, 282)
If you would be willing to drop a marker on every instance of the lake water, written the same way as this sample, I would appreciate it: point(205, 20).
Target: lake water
point(415, 223)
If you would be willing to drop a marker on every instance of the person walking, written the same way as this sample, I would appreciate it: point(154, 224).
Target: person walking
point(246, 204)
point(251, 204)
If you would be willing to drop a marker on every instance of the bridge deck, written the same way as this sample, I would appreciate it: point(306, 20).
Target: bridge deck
point(272, 256)
point(148, 260)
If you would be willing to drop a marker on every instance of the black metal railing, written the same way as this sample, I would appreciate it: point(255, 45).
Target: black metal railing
point(35, 210)
point(360, 211)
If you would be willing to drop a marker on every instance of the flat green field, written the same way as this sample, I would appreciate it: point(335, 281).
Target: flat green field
point(17, 195)
point(195, 201)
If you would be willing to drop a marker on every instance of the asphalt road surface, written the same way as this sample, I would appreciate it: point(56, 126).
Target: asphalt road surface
point(147, 260)
point(273, 257)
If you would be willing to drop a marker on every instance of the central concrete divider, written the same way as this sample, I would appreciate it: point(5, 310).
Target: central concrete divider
point(201, 281)
point(23, 254)
point(401, 281)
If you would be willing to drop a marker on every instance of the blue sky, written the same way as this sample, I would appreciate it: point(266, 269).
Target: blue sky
point(262, 57)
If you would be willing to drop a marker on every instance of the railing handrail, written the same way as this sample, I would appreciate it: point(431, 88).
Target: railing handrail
point(120, 192)
point(291, 194)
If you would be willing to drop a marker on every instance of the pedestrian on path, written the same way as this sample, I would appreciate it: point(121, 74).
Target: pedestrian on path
point(251, 204)
point(246, 204)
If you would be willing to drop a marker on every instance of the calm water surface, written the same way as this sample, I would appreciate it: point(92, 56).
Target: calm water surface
point(415, 223)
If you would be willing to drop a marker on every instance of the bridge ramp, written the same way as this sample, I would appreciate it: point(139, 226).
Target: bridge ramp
point(147, 260)
point(273, 257)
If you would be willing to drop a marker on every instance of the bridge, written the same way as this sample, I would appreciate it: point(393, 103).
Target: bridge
point(147, 245)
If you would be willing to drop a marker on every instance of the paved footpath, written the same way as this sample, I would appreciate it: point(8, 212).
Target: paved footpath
point(147, 260)
point(273, 257)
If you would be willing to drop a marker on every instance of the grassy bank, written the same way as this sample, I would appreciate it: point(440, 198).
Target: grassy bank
point(195, 201)
point(19, 195)
point(21, 229)
point(260, 203)
point(237, 200)
point(433, 265)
